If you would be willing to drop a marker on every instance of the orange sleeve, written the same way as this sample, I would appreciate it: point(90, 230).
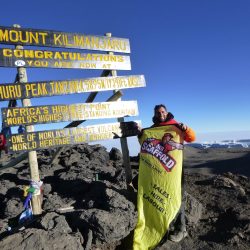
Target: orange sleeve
point(189, 135)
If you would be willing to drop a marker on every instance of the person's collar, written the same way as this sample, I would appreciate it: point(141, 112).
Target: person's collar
point(169, 117)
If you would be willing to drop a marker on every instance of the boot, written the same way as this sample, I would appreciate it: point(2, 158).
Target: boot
point(178, 236)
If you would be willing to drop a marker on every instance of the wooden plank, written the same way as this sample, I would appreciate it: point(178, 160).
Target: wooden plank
point(64, 87)
point(59, 39)
point(70, 136)
point(73, 112)
point(61, 59)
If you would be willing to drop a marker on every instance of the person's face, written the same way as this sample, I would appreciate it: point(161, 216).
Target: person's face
point(161, 114)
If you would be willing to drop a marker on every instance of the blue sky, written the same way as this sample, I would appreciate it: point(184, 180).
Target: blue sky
point(195, 54)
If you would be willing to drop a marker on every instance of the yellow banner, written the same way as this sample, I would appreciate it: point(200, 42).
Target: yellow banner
point(159, 187)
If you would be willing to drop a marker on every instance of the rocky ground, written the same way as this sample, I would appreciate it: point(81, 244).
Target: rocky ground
point(86, 204)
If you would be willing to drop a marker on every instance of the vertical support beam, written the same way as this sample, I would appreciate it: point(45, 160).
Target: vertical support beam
point(123, 141)
point(32, 155)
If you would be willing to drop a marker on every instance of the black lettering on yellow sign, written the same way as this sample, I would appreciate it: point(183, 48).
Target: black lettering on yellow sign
point(154, 203)
point(160, 190)
point(157, 197)
point(9, 35)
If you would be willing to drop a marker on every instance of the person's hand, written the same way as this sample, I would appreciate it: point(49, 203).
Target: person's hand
point(182, 126)
point(139, 128)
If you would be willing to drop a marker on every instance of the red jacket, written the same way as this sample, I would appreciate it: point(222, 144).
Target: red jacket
point(2, 142)
point(188, 134)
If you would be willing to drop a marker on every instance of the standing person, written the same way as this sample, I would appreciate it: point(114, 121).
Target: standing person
point(21, 129)
point(161, 118)
point(3, 144)
point(161, 189)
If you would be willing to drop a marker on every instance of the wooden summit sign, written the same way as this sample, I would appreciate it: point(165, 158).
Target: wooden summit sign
point(53, 88)
point(48, 38)
point(63, 137)
point(28, 115)
point(62, 59)
point(73, 112)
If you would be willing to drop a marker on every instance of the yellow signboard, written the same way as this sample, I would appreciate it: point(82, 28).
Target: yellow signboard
point(62, 137)
point(52, 88)
point(62, 59)
point(73, 112)
point(36, 37)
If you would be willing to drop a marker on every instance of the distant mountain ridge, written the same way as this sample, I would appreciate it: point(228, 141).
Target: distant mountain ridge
point(243, 143)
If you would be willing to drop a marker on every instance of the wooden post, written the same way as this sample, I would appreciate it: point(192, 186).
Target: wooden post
point(124, 142)
point(32, 155)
